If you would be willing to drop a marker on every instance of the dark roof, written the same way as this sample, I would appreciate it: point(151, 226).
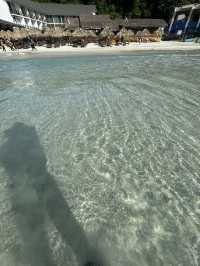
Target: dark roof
point(101, 21)
point(57, 9)
point(73, 23)
point(94, 22)
point(68, 9)
point(142, 23)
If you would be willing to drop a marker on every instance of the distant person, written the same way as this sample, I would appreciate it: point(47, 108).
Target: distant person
point(2, 46)
point(33, 45)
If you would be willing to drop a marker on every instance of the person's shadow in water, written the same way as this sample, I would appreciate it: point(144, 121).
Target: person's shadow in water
point(35, 194)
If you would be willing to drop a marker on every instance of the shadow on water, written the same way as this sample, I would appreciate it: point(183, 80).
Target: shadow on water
point(35, 195)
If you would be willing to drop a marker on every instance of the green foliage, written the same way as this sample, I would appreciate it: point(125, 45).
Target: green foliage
point(132, 8)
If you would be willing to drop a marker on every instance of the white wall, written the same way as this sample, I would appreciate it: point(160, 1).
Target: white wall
point(5, 12)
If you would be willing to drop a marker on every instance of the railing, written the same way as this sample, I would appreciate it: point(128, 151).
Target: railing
point(29, 18)
point(56, 23)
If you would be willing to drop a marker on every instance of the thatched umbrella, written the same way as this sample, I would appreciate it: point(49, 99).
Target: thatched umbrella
point(30, 33)
point(131, 36)
point(145, 32)
point(124, 35)
point(2, 34)
point(47, 33)
point(139, 34)
point(16, 35)
point(80, 33)
point(5, 35)
point(23, 33)
point(157, 33)
point(9, 34)
point(145, 35)
point(91, 36)
point(91, 33)
point(156, 36)
point(79, 37)
point(58, 33)
point(67, 33)
point(37, 36)
point(107, 37)
point(52, 37)
point(106, 32)
point(34, 33)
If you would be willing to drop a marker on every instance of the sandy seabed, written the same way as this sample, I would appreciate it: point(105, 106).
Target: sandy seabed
point(95, 49)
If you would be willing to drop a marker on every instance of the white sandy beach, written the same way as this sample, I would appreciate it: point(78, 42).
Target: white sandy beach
point(93, 48)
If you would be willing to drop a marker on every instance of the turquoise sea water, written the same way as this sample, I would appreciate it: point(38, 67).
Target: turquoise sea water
point(100, 160)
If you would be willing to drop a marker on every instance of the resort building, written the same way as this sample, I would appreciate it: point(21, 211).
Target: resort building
point(136, 24)
point(30, 14)
point(26, 13)
point(99, 22)
point(185, 22)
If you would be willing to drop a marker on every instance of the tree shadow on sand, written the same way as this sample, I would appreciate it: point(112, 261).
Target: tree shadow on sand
point(35, 194)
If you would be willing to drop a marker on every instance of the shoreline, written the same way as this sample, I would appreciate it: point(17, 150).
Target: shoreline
point(95, 49)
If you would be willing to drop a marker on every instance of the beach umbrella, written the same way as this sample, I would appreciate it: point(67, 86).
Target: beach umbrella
point(156, 36)
point(145, 33)
point(91, 33)
point(31, 32)
point(125, 34)
point(9, 34)
point(47, 32)
point(51, 33)
point(91, 36)
point(107, 37)
point(35, 34)
point(122, 33)
point(58, 33)
point(16, 35)
point(23, 33)
point(80, 33)
point(2, 34)
point(139, 34)
point(131, 35)
point(67, 33)
point(106, 32)
point(157, 33)
point(5, 34)
point(39, 34)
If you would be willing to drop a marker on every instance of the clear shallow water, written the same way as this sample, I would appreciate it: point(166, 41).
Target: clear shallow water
point(100, 160)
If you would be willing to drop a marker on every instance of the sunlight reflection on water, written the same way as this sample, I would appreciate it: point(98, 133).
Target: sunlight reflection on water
point(103, 163)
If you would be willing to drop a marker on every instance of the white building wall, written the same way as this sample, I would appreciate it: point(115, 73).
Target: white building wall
point(5, 12)
point(23, 22)
point(20, 19)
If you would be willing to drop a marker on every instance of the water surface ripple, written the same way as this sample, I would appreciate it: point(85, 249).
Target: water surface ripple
point(100, 160)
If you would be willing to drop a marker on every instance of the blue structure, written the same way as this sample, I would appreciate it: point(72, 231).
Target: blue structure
point(185, 23)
